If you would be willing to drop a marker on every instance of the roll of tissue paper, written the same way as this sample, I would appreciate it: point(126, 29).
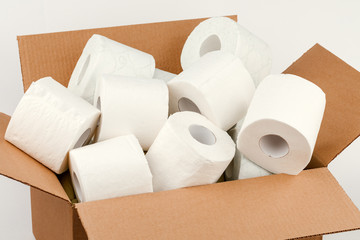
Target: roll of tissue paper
point(49, 121)
point(222, 33)
point(163, 75)
point(241, 167)
point(280, 129)
point(112, 168)
point(189, 151)
point(218, 86)
point(131, 106)
point(102, 55)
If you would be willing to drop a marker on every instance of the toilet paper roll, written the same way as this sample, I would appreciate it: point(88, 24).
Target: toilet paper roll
point(241, 167)
point(188, 151)
point(163, 75)
point(218, 86)
point(282, 123)
point(102, 55)
point(131, 106)
point(222, 33)
point(112, 168)
point(49, 121)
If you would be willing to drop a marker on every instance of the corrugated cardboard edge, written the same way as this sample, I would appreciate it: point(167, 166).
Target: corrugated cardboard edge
point(341, 84)
point(312, 238)
point(79, 232)
point(320, 207)
point(53, 218)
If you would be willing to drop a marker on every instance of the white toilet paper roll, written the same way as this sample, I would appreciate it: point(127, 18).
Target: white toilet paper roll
point(102, 55)
point(218, 86)
point(282, 123)
point(241, 167)
point(163, 75)
point(131, 106)
point(188, 151)
point(49, 121)
point(222, 33)
point(112, 168)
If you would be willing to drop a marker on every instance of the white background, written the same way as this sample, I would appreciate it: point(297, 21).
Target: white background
point(289, 27)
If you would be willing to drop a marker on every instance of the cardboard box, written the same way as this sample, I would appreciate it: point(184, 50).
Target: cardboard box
point(271, 207)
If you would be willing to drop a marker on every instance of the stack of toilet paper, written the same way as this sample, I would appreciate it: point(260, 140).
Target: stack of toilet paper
point(111, 125)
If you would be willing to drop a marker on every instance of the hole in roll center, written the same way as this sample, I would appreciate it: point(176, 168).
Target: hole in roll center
point(202, 134)
point(274, 146)
point(185, 104)
point(83, 138)
point(211, 43)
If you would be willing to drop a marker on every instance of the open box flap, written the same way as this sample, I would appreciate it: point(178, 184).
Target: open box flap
point(55, 54)
point(19, 166)
point(282, 207)
point(341, 84)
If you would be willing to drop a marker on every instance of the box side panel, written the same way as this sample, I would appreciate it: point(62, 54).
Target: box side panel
point(79, 231)
point(52, 217)
point(55, 54)
point(271, 207)
point(19, 166)
point(341, 84)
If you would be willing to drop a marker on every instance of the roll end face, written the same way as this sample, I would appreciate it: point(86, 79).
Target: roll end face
point(211, 41)
point(275, 153)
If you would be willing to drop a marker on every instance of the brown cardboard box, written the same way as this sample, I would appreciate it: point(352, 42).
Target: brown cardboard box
point(271, 207)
